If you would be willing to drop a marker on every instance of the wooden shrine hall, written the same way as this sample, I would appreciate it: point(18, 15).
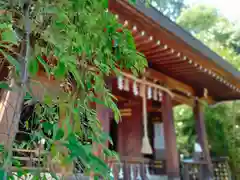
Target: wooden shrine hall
point(181, 70)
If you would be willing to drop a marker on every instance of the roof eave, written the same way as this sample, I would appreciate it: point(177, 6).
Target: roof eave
point(187, 38)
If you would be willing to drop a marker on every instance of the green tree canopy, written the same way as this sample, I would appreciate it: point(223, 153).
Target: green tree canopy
point(213, 29)
point(222, 121)
point(170, 8)
point(198, 18)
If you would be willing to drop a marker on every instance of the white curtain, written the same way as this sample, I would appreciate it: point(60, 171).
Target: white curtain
point(159, 136)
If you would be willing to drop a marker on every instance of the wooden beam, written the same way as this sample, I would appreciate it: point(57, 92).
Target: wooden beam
point(156, 29)
point(170, 82)
point(184, 100)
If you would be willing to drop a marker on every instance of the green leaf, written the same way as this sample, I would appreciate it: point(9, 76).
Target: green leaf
point(98, 164)
point(45, 65)
point(105, 3)
point(47, 99)
point(33, 66)
point(9, 36)
point(4, 85)
point(2, 174)
point(59, 12)
point(72, 139)
point(4, 26)
point(98, 101)
point(11, 60)
point(77, 77)
point(59, 135)
point(47, 126)
point(78, 150)
point(1, 147)
point(54, 175)
point(27, 96)
point(132, 1)
point(60, 70)
point(105, 137)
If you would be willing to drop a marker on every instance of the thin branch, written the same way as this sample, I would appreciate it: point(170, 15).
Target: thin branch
point(25, 50)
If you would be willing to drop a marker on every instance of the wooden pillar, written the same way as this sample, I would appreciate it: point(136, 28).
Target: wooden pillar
point(172, 156)
point(9, 103)
point(201, 134)
point(104, 114)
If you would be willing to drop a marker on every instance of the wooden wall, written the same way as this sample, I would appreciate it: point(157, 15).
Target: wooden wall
point(130, 131)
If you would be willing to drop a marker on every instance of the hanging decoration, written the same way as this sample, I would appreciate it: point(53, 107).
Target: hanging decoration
point(149, 92)
point(135, 88)
point(152, 90)
point(126, 85)
point(146, 147)
point(155, 95)
point(160, 96)
point(120, 82)
point(205, 93)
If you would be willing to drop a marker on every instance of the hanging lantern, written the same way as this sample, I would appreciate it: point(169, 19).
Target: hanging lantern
point(155, 94)
point(135, 89)
point(120, 82)
point(149, 92)
point(126, 85)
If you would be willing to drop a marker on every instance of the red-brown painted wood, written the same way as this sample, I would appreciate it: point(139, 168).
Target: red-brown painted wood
point(157, 54)
point(170, 137)
point(201, 133)
point(130, 131)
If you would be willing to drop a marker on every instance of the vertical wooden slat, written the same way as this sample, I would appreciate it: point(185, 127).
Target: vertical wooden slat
point(139, 177)
point(135, 171)
point(121, 173)
point(147, 171)
point(132, 171)
point(115, 171)
point(126, 172)
point(173, 171)
point(186, 172)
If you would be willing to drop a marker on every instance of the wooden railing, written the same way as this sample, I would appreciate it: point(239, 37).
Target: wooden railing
point(29, 159)
point(133, 168)
point(197, 170)
point(194, 170)
point(221, 168)
point(126, 169)
point(136, 168)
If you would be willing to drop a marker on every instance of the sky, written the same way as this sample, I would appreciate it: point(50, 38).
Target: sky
point(229, 8)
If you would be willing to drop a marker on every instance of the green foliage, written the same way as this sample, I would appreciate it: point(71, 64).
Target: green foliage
point(4, 85)
point(198, 18)
point(221, 130)
point(206, 24)
point(78, 43)
point(214, 30)
point(170, 8)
